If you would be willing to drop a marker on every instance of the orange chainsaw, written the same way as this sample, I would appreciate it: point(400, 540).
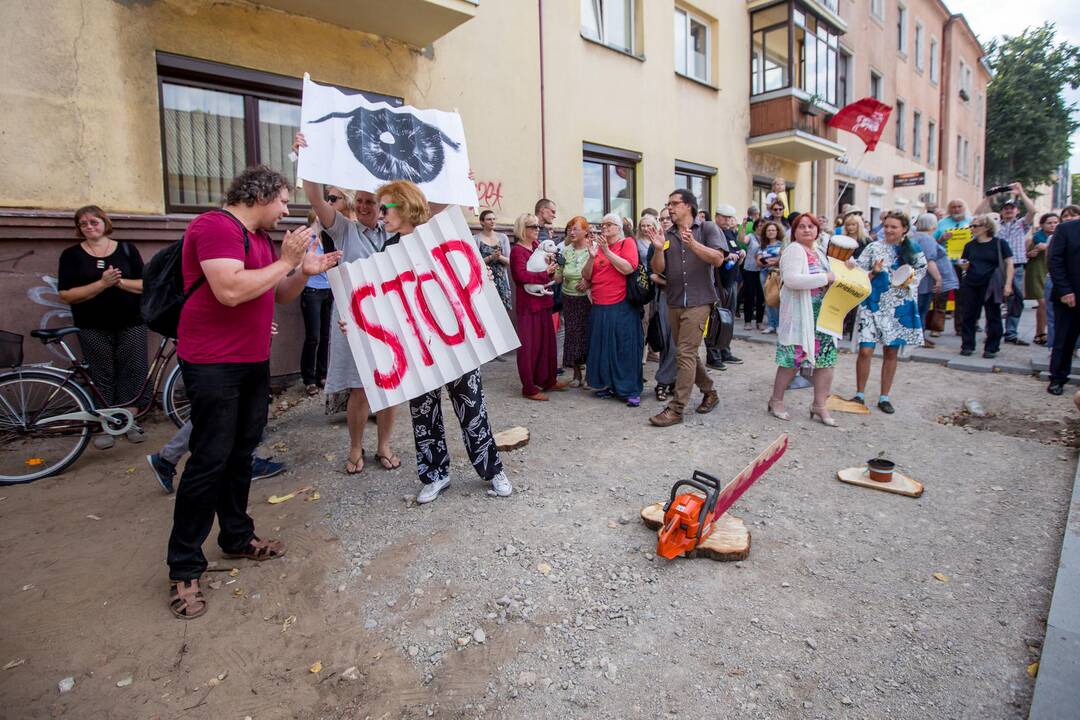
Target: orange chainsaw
point(689, 517)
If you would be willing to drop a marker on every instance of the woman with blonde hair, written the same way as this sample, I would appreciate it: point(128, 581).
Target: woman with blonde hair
point(403, 206)
point(537, 357)
point(987, 262)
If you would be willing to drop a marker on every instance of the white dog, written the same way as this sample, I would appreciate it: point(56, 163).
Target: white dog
point(538, 262)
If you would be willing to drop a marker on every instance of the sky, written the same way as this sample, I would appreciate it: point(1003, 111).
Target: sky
point(993, 18)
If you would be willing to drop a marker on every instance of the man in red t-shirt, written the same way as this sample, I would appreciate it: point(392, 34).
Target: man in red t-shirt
point(224, 348)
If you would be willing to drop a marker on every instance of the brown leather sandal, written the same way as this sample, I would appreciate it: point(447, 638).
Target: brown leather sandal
point(260, 550)
point(186, 599)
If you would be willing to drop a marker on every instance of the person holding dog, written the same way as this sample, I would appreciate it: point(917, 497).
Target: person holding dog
point(537, 356)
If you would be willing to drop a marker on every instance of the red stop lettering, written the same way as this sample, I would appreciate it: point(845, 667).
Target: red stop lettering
point(390, 380)
point(397, 286)
point(475, 281)
point(429, 317)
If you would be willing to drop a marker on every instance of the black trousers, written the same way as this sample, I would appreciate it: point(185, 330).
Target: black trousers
point(1066, 333)
point(973, 303)
point(315, 305)
point(228, 414)
point(432, 456)
point(753, 297)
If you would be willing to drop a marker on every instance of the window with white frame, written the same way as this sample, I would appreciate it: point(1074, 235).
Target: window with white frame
point(934, 60)
point(931, 143)
point(693, 46)
point(901, 125)
point(961, 156)
point(916, 134)
point(877, 9)
point(978, 170)
point(901, 29)
point(875, 85)
point(843, 78)
point(919, 42)
point(979, 112)
point(965, 81)
point(610, 22)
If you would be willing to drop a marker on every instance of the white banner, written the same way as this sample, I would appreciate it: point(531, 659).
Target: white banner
point(421, 313)
point(359, 145)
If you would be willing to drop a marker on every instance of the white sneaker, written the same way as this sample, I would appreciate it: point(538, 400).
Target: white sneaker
point(501, 485)
point(431, 491)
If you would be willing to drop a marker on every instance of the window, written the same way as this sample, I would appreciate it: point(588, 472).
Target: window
point(609, 180)
point(217, 120)
point(933, 61)
point(843, 82)
point(610, 22)
point(965, 81)
point(901, 29)
point(769, 45)
point(919, 42)
point(978, 169)
point(916, 134)
point(931, 142)
point(979, 110)
point(901, 126)
point(875, 85)
point(693, 49)
point(816, 50)
point(698, 180)
point(877, 9)
point(961, 156)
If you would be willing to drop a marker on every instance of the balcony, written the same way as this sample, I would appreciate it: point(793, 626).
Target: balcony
point(414, 22)
point(784, 123)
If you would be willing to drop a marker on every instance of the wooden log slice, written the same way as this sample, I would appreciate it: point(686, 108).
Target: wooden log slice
point(835, 403)
point(900, 484)
point(729, 541)
point(512, 439)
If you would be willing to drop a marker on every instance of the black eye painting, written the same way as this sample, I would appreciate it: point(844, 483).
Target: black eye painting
point(395, 146)
point(357, 142)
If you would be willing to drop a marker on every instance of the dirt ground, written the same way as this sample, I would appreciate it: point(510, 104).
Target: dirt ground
point(550, 604)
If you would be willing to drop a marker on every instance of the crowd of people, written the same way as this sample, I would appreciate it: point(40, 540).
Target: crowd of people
point(621, 294)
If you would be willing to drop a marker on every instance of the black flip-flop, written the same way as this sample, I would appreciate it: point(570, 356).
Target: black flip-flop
point(384, 461)
point(361, 463)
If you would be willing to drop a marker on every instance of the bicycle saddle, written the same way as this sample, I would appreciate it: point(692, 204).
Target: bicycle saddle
point(52, 334)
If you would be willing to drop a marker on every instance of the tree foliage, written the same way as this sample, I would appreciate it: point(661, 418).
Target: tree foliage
point(1028, 122)
point(1075, 199)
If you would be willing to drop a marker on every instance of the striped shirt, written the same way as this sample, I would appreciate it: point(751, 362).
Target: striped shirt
point(1015, 233)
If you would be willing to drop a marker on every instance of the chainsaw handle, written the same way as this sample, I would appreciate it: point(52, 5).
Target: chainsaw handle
point(704, 487)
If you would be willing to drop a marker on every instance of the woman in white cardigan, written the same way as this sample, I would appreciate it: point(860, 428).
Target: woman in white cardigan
point(804, 270)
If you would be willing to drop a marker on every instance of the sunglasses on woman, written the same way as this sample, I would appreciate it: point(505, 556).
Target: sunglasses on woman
point(387, 206)
point(333, 198)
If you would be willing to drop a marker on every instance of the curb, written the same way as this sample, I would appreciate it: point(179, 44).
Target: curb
point(1057, 688)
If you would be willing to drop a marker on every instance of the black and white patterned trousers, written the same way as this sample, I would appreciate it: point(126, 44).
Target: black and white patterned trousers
point(118, 363)
point(432, 457)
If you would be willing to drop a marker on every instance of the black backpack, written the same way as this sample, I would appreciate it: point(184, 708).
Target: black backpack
point(163, 293)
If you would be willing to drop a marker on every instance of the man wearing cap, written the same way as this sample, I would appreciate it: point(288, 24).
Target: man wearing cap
point(685, 256)
point(727, 283)
point(1014, 230)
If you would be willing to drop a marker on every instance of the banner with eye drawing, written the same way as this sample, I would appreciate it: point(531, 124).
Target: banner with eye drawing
point(359, 145)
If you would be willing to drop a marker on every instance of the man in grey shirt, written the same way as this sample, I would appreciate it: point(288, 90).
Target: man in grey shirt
point(686, 256)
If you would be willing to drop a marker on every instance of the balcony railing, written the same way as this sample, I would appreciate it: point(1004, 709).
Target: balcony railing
point(414, 22)
point(790, 125)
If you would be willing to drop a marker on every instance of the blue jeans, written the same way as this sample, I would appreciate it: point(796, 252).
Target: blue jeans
point(1015, 303)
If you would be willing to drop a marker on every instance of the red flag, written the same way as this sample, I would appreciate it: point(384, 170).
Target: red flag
point(866, 118)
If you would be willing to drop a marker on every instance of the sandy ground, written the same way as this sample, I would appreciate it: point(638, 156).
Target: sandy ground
point(551, 603)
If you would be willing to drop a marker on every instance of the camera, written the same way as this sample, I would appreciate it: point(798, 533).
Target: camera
point(998, 189)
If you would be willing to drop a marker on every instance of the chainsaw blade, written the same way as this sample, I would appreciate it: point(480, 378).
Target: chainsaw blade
point(734, 489)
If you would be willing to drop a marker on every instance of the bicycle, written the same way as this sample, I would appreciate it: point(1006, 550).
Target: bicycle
point(47, 413)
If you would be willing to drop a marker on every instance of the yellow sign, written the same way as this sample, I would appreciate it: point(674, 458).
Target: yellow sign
point(852, 286)
point(956, 242)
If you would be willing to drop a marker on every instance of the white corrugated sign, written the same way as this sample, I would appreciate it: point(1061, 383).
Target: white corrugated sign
point(422, 312)
point(356, 144)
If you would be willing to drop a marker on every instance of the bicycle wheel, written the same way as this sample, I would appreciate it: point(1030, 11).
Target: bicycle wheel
point(30, 447)
point(177, 406)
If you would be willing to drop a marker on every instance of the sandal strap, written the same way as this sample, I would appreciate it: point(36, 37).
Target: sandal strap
point(186, 595)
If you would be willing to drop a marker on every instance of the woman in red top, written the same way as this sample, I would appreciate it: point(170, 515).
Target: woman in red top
point(536, 358)
point(616, 341)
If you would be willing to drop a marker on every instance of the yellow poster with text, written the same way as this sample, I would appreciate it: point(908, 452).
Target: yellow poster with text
point(956, 242)
point(852, 286)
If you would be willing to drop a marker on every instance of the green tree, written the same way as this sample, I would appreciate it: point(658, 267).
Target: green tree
point(1028, 122)
point(1075, 200)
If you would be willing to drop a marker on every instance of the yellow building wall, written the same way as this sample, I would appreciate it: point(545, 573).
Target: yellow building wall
point(80, 113)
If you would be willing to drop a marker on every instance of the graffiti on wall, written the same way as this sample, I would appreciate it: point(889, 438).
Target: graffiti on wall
point(489, 192)
point(48, 296)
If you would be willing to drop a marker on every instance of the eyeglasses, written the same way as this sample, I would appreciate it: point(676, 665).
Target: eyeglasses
point(532, 227)
point(387, 206)
point(673, 203)
point(977, 224)
point(333, 198)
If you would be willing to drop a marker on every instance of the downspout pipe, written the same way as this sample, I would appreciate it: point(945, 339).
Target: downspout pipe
point(944, 89)
point(543, 129)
